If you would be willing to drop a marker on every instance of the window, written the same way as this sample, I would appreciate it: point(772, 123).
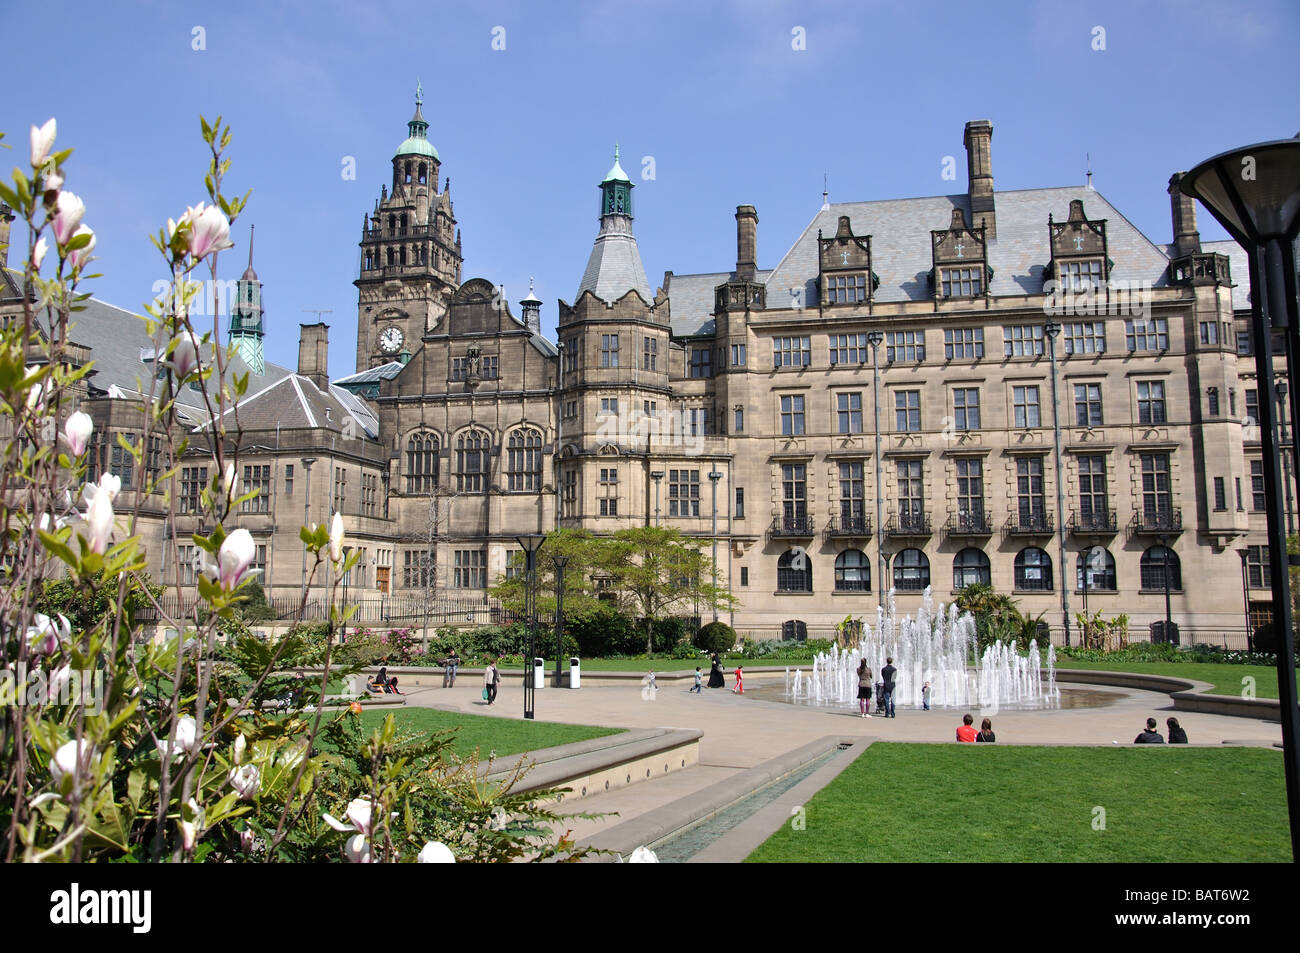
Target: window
point(907, 411)
point(524, 461)
point(794, 496)
point(792, 414)
point(153, 462)
point(609, 405)
point(1084, 337)
point(570, 494)
point(470, 569)
point(649, 408)
point(739, 420)
point(1094, 509)
point(852, 571)
point(911, 571)
point(905, 346)
point(471, 461)
point(340, 488)
point(1146, 334)
point(961, 343)
point(488, 367)
point(970, 493)
point(791, 352)
point(193, 480)
point(740, 503)
point(1033, 570)
point(1095, 569)
point(961, 282)
point(369, 493)
point(1258, 571)
point(1257, 502)
point(1240, 505)
point(650, 355)
point(744, 575)
point(417, 570)
point(698, 421)
point(1159, 565)
point(122, 459)
point(259, 479)
point(1079, 275)
point(911, 498)
point(1220, 494)
point(1023, 340)
point(421, 463)
point(1024, 404)
point(1252, 407)
point(609, 350)
point(794, 572)
point(570, 355)
point(1243, 343)
point(849, 412)
point(796, 630)
point(1210, 333)
point(608, 499)
point(845, 289)
point(683, 492)
point(1212, 400)
point(848, 348)
point(966, 408)
point(1157, 503)
point(1030, 504)
point(571, 408)
point(852, 498)
point(701, 362)
point(1151, 402)
point(1087, 405)
point(459, 368)
point(737, 355)
point(288, 480)
point(971, 567)
point(187, 563)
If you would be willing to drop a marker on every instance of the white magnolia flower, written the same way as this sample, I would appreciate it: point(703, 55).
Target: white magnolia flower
point(69, 210)
point(246, 781)
point(43, 142)
point(65, 760)
point(77, 431)
point(44, 634)
point(336, 537)
point(435, 853)
point(241, 743)
point(187, 733)
point(643, 855)
point(357, 850)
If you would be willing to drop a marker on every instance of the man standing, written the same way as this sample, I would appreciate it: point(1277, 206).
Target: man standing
point(888, 673)
point(1150, 736)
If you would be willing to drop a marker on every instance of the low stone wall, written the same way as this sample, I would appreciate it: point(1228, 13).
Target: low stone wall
point(1187, 694)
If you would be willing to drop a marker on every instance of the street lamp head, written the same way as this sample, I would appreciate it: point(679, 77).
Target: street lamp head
point(308, 461)
point(656, 475)
point(1052, 329)
point(560, 561)
point(1253, 192)
point(715, 476)
point(531, 543)
point(874, 338)
point(1244, 553)
point(1281, 390)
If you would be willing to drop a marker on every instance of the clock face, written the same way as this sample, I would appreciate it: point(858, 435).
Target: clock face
point(390, 341)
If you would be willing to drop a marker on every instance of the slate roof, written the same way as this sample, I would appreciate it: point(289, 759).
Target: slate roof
point(383, 372)
point(294, 402)
point(1239, 262)
point(614, 267)
point(691, 300)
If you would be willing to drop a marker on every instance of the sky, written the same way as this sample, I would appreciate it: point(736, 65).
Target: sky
point(713, 105)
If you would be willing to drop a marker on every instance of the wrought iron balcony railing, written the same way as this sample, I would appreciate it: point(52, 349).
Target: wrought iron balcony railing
point(1096, 523)
point(849, 527)
point(791, 527)
point(965, 525)
point(908, 524)
point(1157, 522)
point(1030, 524)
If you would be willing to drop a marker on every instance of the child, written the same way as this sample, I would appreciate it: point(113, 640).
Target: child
point(699, 682)
point(650, 682)
point(880, 697)
point(739, 687)
point(925, 695)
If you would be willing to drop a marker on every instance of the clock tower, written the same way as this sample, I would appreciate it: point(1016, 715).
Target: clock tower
point(410, 253)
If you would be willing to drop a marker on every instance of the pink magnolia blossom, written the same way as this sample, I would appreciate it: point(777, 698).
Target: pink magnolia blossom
point(79, 258)
point(187, 739)
point(209, 230)
point(69, 211)
point(45, 635)
point(357, 850)
point(42, 143)
point(77, 431)
point(234, 559)
point(185, 354)
point(99, 513)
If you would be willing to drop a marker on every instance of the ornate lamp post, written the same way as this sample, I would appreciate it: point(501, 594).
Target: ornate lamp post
point(1254, 193)
point(1053, 329)
point(530, 545)
point(560, 562)
point(1244, 553)
point(874, 338)
point(306, 520)
point(656, 475)
point(714, 477)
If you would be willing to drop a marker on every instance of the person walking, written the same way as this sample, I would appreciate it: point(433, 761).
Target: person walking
point(1150, 736)
point(888, 673)
point(925, 696)
point(739, 687)
point(986, 731)
point(1176, 734)
point(698, 687)
point(450, 664)
point(491, 681)
point(716, 679)
point(865, 675)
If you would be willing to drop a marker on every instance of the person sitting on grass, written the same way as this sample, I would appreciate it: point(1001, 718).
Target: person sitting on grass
point(986, 731)
point(1176, 734)
point(1150, 736)
point(966, 732)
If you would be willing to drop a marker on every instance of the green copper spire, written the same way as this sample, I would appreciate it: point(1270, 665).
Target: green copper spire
point(417, 142)
point(616, 191)
point(616, 173)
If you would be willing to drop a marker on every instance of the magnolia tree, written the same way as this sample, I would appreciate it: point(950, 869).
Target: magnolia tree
point(170, 756)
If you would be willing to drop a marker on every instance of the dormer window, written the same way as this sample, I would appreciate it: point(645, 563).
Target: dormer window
point(844, 263)
point(960, 259)
point(961, 282)
point(1079, 251)
point(846, 289)
point(1079, 275)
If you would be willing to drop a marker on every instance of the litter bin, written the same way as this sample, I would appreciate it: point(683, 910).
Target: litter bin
point(575, 673)
point(539, 673)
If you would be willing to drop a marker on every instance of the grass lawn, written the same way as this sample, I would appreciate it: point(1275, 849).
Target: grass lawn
point(984, 803)
point(503, 735)
point(1225, 678)
point(667, 664)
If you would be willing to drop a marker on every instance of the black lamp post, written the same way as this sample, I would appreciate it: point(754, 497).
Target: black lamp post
point(714, 477)
point(306, 520)
point(1053, 329)
point(1244, 553)
point(1254, 192)
point(656, 475)
point(530, 545)
point(1281, 388)
point(560, 562)
point(875, 338)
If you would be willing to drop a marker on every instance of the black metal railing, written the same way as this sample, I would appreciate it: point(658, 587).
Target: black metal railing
point(1030, 524)
point(1157, 522)
point(1098, 522)
point(908, 524)
point(849, 526)
point(964, 525)
point(791, 527)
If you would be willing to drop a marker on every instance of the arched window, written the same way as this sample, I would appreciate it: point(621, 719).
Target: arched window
point(1156, 561)
point(1100, 566)
point(794, 572)
point(421, 463)
point(524, 460)
point(407, 179)
point(794, 630)
point(403, 223)
point(471, 461)
point(392, 223)
point(911, 570)
point(852, 571)
point(1033, 569)
point(401, 255)
point(970, 566)
point(390, 257)
point(423, 175)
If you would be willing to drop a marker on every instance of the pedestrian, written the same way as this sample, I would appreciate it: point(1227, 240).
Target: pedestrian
point(651, 686)
point(925, 696)
point(1150, 736)
point(698, 687)
point(739, 687)
point(986, 731)
point(716, 679)
point(966, 732)
point(1176, 734)
point(865, 676)
point(491, 680)
point(450, 664)
point(888, 673)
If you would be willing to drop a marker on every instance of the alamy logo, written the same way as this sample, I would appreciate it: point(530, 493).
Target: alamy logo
point(104, 907)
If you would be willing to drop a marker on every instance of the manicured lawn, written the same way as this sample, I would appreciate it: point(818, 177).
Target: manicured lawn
point(984, 803)
point(1225, 678)
point(502, 735)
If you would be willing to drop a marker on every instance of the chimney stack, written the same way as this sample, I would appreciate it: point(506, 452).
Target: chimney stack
point(979, 170)
point(1187, 240)
point(746, 242)
point(6, 216)
point(313, 354)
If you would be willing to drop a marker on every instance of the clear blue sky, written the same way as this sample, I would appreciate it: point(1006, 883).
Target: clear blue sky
point(714, 92)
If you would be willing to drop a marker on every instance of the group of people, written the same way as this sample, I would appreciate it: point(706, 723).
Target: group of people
point(383, 683)
point(717, 678)
point(1177, 736)
point(884, 689)
point(967, 734)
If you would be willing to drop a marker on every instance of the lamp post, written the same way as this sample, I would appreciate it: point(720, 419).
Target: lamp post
point(306, 520)
point(1281, 388)
point(656, 475)
point(560, 562)
point(1053, 329)
point(530, 545)
point(1244, 553)
point(714, 477)
point(1254, 192)
point(874, 338)
point(1167, 558)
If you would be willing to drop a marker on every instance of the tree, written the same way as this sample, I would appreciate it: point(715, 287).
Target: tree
point(587, 558)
